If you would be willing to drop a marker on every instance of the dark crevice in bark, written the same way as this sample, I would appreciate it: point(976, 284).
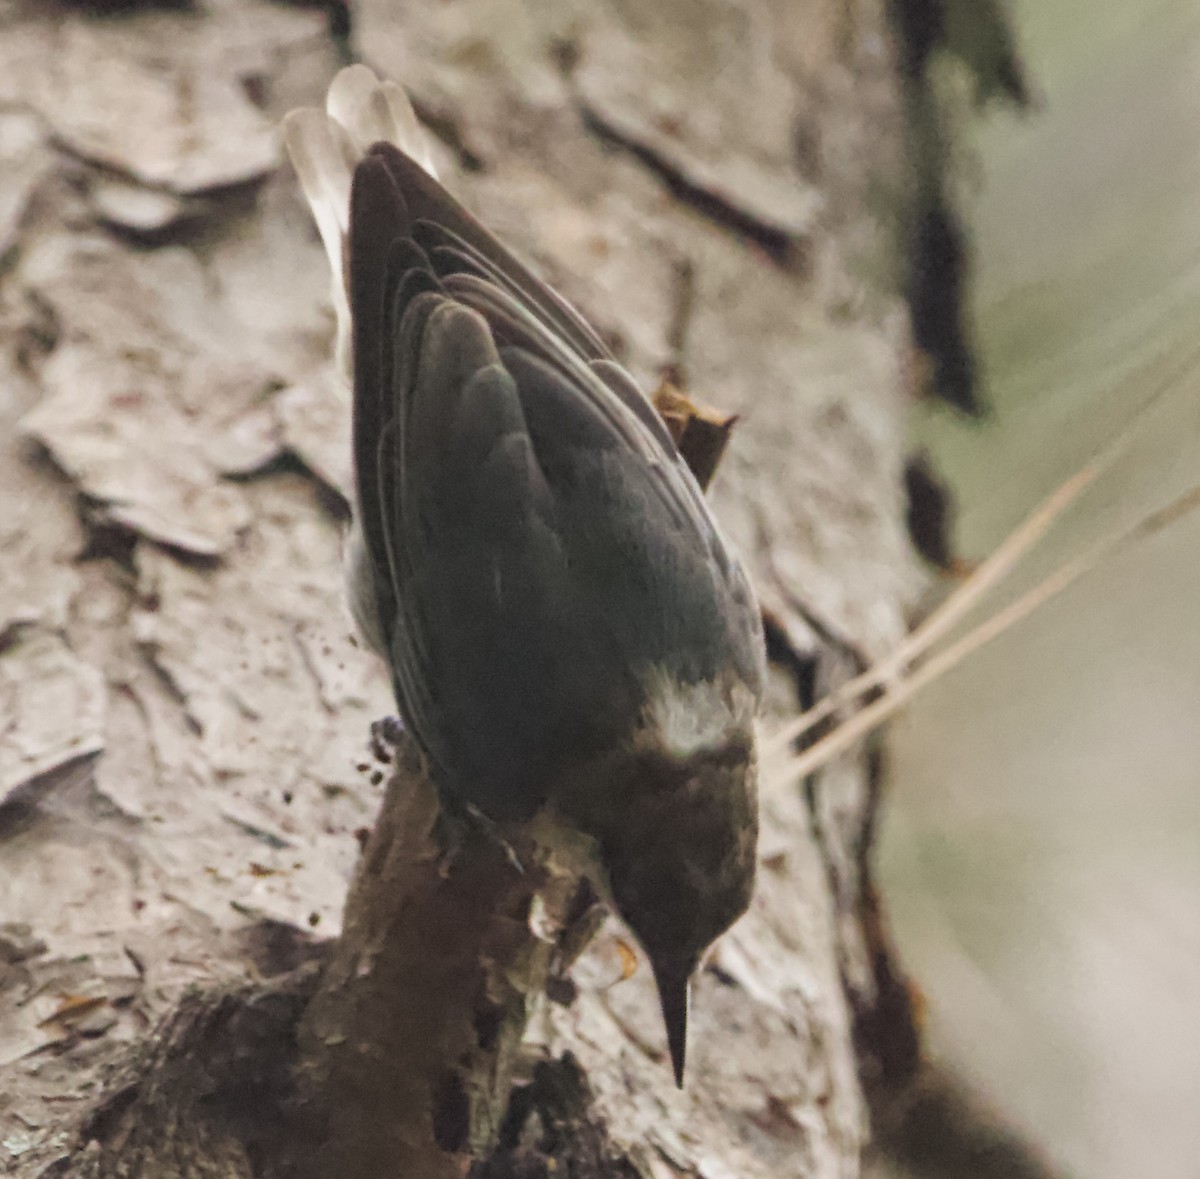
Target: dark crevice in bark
point(930, 512)
point(921, 25)
point(340, 15)
point(117, 7)
point(938, 264)
point(886, 1020)
point(802, 666)
point(981, 38)
point(105, 538)
point(935, 289)
point(783, 248)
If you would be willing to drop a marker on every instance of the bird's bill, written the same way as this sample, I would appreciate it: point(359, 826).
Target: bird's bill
point(674, 997)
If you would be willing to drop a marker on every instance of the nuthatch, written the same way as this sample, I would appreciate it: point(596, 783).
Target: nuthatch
point(568, 631)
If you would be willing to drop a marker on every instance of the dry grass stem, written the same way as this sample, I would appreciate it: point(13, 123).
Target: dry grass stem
point(895, 674)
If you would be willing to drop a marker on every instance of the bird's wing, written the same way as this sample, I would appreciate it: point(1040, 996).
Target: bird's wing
point(495, 444)
point(524, 312)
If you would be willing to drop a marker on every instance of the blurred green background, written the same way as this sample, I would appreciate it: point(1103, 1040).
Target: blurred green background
point(1042, 850)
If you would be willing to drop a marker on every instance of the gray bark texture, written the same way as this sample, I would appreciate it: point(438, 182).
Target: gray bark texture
point(188, 782)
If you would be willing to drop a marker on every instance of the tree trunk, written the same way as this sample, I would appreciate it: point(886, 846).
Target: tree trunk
point(181, 705)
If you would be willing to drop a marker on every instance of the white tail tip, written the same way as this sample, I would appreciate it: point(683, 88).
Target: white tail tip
point(326, 146)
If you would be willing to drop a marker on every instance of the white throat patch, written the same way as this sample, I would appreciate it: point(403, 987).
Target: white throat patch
point(685, 719)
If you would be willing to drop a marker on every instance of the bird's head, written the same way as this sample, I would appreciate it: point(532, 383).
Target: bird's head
point(678, 840)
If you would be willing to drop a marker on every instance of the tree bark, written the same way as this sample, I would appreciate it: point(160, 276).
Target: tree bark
point(182, 706)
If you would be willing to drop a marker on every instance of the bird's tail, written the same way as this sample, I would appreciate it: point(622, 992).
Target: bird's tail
point(325, 147)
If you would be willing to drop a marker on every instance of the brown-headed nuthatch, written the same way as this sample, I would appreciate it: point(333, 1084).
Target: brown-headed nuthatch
point(566, 627)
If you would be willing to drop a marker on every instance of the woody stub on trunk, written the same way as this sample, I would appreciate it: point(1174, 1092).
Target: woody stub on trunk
point(188, 783)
